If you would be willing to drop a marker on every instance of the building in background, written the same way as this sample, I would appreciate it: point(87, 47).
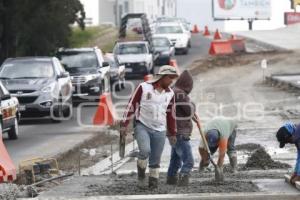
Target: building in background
point(110, 11)
point(200, 12)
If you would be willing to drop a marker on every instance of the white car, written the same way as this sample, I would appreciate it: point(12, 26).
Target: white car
point(136, 56)
point(176, 33)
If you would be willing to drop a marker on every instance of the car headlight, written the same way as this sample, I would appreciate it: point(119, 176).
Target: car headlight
point(91, 77)
point(165, 53)
point(48, 88)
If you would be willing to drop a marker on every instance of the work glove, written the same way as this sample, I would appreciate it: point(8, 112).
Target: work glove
point(172, 140)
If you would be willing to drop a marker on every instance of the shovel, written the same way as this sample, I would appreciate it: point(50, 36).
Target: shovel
point(122, 144)
point(219, 176)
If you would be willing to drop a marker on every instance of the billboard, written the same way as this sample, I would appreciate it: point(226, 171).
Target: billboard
point(241, 9)
point(291, 18)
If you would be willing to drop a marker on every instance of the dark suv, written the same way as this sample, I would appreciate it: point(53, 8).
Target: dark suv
point(89, 74)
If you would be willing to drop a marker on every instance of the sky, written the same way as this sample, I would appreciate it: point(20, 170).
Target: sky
point(200, 12)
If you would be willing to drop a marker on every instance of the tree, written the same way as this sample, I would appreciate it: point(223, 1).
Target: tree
point(35, 27)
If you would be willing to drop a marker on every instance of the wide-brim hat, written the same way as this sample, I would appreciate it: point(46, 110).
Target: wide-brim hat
point(163, 71)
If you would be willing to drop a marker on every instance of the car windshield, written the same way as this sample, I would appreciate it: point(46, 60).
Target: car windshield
point(78, 59)
point(169, 29)
point(132, 49)
point(161, 42)
point(27, 69)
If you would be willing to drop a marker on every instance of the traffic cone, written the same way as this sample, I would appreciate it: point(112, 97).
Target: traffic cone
point(217, 35)
point(196, 29)
point(173, 63)
point(148, 77)
point(8, 171)
point(206, 31)
point(105, 114)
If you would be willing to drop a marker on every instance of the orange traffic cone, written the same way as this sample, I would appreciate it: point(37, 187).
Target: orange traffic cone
point(206, 31)
point(196, 29)
point(105, 114)
point(217, 35)
point(173, 63)
point(148, 77)
point(8, 171)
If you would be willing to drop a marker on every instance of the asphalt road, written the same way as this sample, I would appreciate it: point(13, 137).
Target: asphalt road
point(41, 137)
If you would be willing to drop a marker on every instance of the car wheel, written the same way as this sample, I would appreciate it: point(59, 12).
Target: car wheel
point(123, 84)
point(13, 132)
point(117, 86)
point(58, 112)
point(67, 113)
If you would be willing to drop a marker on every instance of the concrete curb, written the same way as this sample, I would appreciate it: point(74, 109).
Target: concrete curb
point(282, 83)
point(104, 166)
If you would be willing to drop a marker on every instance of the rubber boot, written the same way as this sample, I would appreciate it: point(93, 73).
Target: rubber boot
point(141, 170)
point(153, 178)
point(172, 180)
point(233, 163)
point(184, 180)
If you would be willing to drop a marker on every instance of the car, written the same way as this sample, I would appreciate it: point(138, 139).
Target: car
point(41, 85)
point(117, 72)
point(176, 33)
point(164, 47)
point(9, 113)
point(137, 56)
point(89, 73)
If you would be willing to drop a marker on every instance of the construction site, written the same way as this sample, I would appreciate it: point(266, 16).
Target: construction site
point(252, 77)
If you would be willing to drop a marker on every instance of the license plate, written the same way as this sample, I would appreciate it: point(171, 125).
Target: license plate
point(128, 70)
point(22, 107)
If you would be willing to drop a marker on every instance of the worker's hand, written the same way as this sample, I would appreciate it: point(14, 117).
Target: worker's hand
point(123, 131)
point(295, 179)
point(172, 140)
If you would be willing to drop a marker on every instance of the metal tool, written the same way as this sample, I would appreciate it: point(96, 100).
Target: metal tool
point(122, 144)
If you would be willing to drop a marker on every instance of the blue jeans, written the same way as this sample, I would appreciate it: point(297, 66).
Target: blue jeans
point(151, 144)
point(181, 157)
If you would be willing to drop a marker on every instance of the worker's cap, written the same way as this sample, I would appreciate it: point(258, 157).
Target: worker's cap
point(163, 71)
point(213, 137)
point(284, 133)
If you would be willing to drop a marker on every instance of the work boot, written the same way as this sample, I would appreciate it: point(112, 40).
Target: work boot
point(233, 163)
point(172, 180)
point(184, 180)
point(153, 178)
point(141, 171)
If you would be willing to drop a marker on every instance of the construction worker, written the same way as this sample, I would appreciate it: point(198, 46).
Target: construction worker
point(181, 153)
point(153, 104)
point(220, 133)
point(289, 133)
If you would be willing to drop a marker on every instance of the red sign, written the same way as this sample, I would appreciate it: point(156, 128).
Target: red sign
point(291, 18)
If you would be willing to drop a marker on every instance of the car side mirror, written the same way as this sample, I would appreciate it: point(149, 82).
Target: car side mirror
point(64, 75)
point(5, 97)
point(105, 64)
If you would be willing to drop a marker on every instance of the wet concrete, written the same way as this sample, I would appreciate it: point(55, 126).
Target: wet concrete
point(247, 147)
point(260, 159)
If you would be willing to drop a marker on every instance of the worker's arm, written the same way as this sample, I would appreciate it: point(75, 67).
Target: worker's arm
point(133, 104)
point(222, 151)
point(171, 118)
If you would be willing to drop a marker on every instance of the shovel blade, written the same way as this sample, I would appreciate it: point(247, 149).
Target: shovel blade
point(219, 175)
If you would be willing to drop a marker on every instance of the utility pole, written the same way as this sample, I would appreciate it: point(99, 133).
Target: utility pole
point(117, 12)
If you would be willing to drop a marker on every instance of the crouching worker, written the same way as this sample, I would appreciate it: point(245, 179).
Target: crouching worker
point(154, 107)
point(181, 154)
point(220, 133)
point(290, 134)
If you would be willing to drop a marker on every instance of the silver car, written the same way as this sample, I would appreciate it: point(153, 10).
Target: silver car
point(41, 84)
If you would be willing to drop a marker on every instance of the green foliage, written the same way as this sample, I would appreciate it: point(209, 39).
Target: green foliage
point(37, 27)
point(83, 38)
